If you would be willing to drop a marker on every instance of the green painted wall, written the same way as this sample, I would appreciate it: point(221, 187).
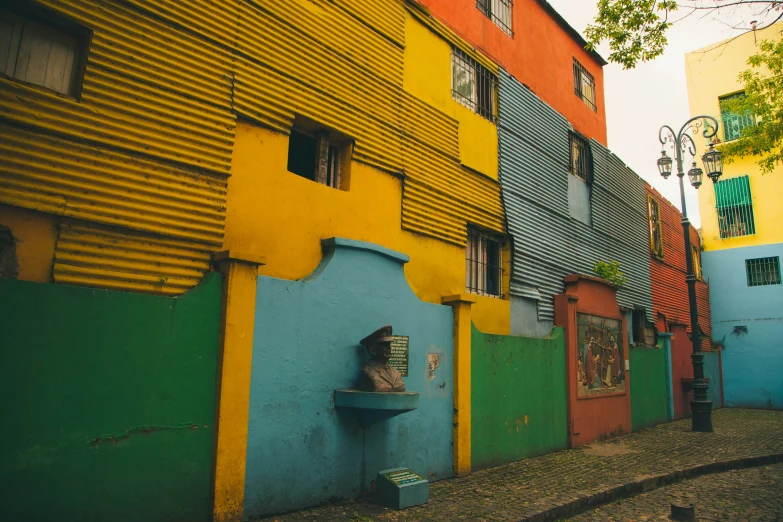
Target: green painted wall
point(648, 387)
point(518, 397)
point(107, 402)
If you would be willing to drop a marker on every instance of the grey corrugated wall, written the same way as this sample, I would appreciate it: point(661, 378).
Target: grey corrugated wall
point(547, 243)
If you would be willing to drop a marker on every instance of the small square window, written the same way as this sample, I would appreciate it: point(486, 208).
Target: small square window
point(318, 156)
point(42, 52)
point(473, 85)
point(584, 85)
point(763, 271)
point(580, 161)
point(499, 11)
point(483, 263)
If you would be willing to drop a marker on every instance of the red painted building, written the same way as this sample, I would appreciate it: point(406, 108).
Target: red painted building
point(670, 291)
point(533, 43)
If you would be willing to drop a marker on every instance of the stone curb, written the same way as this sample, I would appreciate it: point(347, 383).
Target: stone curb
point(580, 505)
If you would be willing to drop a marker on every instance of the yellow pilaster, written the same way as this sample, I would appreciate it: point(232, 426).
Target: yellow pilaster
point(460, 304)
point(240, 276)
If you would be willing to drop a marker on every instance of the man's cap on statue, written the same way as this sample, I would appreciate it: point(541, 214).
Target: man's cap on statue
point(382, 334)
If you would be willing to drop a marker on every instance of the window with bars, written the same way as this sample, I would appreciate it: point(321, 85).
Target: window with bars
point(313, 155)
point(763, 271)
point(473, 85)
point(483, 263)
point(42, 51)
point(584, 85)
point(499, 11)
point(734, 124)
point(696, 255)
point(580, 163)
point(656, 230)
point(734, 206)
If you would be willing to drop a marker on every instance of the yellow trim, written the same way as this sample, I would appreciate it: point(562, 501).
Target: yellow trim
point(240, 274)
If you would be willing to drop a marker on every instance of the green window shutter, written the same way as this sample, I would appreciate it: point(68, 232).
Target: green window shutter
point(733, 124)
point(734, 204)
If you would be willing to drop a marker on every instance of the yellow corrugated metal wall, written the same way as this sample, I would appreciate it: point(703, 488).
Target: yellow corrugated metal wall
point(139, 165)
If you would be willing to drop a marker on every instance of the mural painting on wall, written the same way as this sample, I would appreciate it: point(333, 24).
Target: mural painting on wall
point(599, 356)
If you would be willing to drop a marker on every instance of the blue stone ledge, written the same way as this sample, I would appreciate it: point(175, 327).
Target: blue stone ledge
point(374, 406)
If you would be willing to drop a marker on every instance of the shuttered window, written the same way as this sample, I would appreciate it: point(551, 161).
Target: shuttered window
point(37, 54)
point(734, 206)
point(733, 124)
point(656, 230)
point(696, 255)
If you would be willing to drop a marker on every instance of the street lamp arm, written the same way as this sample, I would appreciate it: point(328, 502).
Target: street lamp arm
point(687, 145)
point(663, 136)
point(696, 122)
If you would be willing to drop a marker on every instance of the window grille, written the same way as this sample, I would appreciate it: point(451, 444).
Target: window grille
point(483, 267)
point(499, 11)
point(656, 231)
point(734, 124)
point(580, 162)
point(40, 54)
point(696, 255)
point(473, 85)
point(584, 85)
point(735, 207)
point(763, 271)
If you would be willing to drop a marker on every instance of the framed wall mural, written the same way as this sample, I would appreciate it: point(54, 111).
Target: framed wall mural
point(600, 361)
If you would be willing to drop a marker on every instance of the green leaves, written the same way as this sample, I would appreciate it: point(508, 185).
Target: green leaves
point(610, 271)
point(635, 29)
point(764, 99)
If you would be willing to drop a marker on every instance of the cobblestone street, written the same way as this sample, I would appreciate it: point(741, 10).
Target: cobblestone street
point(754, 494)
point(565, 483)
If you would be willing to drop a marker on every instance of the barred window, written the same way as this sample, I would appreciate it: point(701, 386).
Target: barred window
point(696, 255)
point(734, 205)
point(499, 11)
point(763, 271)
point(734, 124)
point(483, 267)
point(656, 230)
point(580, 162)
point(584, 85)
point(473, 85)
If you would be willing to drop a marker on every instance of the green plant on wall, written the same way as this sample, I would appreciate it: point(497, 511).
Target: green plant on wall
point(610, 271)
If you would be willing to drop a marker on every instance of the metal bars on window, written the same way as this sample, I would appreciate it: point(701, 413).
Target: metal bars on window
point(734, 124)
point(763, 271)
point(734, 205)
point(499, 11)
point(473, 85)
point(584, 85)
point(580, 164)
point(483, 267)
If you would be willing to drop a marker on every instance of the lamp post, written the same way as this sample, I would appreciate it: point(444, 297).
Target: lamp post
point(701, 407)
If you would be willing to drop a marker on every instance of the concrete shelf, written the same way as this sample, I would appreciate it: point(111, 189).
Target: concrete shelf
point(375, 407)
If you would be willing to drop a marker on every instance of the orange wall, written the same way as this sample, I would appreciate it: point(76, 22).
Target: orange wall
point(540, 55)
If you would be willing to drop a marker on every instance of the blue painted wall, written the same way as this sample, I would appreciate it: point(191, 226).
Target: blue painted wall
point(752, 362)
point(301, 450)
point(712, 372)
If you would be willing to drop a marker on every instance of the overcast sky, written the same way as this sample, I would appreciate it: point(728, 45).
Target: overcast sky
point(639, 101)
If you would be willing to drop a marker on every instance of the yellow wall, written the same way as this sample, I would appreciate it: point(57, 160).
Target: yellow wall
point(282, 216)
point(428, 77)
point(35, 234)
point(711, 73)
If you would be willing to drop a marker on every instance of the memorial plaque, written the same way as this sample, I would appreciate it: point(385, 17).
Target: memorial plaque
point(400, 488)
point(399, 357)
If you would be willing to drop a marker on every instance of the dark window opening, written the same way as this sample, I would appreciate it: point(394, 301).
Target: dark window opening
point(9, 264)
point(483, 263)
point(656, 230)
point(316, 157)
point(763, 271)
point(473, 85)
point(42, 48)
point(642, 333)
point(580, 161)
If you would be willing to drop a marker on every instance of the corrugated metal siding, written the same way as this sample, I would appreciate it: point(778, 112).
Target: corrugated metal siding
point(669, 288)
point(548, 244)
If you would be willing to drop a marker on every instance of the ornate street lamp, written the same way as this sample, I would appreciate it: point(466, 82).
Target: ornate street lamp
point(683, 144)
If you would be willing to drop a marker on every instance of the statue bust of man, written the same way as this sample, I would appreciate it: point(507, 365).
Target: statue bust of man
point(377, 375)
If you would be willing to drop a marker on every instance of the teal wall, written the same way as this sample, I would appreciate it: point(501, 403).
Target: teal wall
point(301, 450)
point(649, 398)
point(518, 398)
point(108, 402)
point(712, 372)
